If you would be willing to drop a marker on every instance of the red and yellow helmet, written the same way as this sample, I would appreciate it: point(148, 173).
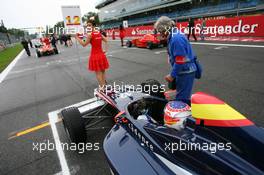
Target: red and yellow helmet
point(175, 114)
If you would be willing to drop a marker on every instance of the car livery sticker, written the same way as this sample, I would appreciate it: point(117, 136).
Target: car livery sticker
point(210, 111)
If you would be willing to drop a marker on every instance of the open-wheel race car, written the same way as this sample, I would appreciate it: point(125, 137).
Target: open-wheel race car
point(148, 41)
point(216, 139)
point(44, 48)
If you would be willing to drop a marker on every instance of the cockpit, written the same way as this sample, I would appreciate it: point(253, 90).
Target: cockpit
point(149, 106)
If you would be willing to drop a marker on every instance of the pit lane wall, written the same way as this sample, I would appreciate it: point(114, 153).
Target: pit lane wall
point(242, 26)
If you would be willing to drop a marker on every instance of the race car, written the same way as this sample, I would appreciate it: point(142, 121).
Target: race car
point(223, 141)
point(44, 47)
point(148, 41)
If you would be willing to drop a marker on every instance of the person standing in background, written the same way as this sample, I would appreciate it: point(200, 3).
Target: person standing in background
point(191, 27)
point(68, 40)
point(203, 24)
point(155, 33)
point(181, 58)
point(61, 40)
point(25, 45)
point(122, 34)
point(113, 34)
point(53, 40)
point(30, 43)
point(64, 39)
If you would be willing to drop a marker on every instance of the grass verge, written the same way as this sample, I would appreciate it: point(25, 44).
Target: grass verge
point(7, 55)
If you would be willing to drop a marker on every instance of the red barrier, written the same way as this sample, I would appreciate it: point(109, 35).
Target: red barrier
point(244, 26)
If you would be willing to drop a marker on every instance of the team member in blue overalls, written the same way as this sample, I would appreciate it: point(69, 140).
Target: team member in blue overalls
point(181, 58)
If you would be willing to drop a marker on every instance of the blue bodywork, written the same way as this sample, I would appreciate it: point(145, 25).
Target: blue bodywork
point(147, 147)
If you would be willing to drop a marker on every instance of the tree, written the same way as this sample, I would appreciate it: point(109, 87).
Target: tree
point(3, 29)
point(16, 32)
point(89, 15)
point(59, 27)
point(59, 24)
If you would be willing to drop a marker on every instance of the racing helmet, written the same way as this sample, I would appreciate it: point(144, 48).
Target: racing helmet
point(175, 114)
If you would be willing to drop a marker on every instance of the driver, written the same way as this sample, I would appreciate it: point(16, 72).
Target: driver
point(175, 114)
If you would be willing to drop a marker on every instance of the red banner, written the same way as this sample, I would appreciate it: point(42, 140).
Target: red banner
point(244, 26)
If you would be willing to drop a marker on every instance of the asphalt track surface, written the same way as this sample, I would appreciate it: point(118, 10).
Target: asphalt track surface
point(36, 86)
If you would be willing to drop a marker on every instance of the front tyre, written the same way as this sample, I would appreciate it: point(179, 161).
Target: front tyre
point(129, 43)
point(56, 51)
point(38, 54)
point(150, 45)
point(74, 125)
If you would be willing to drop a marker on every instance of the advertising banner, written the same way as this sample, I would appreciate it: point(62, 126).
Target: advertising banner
point(243, 26)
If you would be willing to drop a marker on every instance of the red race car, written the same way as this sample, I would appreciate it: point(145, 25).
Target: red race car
point(44, 48)
point(149, 41)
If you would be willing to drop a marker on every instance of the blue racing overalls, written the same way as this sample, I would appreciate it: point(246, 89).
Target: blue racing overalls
point(183, 67)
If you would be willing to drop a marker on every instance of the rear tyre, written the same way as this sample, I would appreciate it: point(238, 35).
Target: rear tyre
point(74, 125)
point(129, 44)
point(153, 87)
point(56, 51)
point(38, 54)
point(150, 45)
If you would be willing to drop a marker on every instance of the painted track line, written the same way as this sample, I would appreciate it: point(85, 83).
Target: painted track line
point(161, 51)
point(231, 45)
point(53, 119)
point(10, 66)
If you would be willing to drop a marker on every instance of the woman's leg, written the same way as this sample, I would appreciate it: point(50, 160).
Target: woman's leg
point(104, 77)
point(122, 42)
point(100, 76)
